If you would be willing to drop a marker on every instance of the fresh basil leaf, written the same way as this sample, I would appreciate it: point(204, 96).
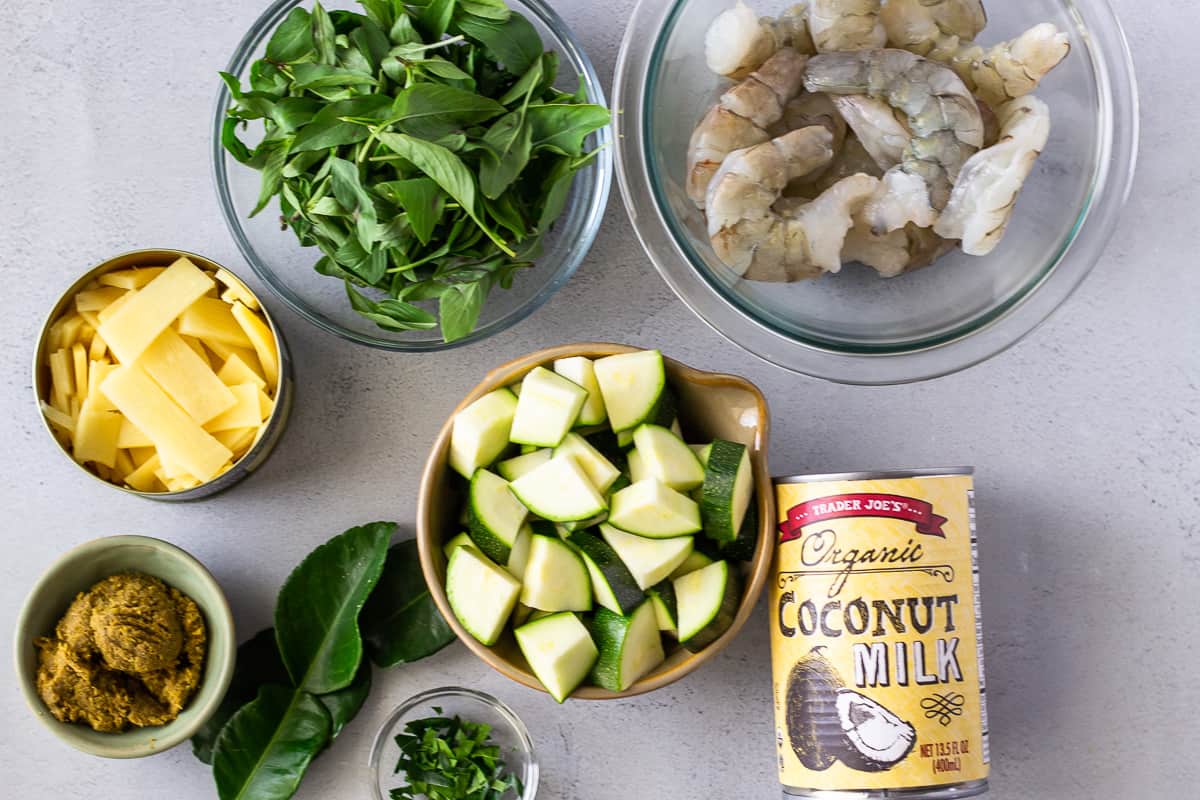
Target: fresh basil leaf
point(421, 199)
point(320, 76)
point(369, 266)
point(266, 77)
point(258, 662)
point(323, 35)
point(406, 314)
point(400, 622)
point(316, 615)
point(515, 43)
point(561, 128)
point(510, 141)
point(527, 84)
point(433, 17)
point(459, 309)
point(266, 747)
point(504, 209)
point(328, 207)
point(293, 38)
point(272, 171)
point(231, 82)
point(425, 290)
point(348, 189)
point(328, 129)
point(446, 169)
point(557, 188)
point(488, 9)
point(380, 11)
point(291, 113)
point(372, 42)
point(403, 31)
point(231, 142)
point(442, 68)
point(433, 110)
point(344, 705)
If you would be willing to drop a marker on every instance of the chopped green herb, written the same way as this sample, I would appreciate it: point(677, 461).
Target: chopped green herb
point(421, 147)
point(451, 759)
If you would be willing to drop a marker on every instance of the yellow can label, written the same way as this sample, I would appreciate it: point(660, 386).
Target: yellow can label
point(876, 649)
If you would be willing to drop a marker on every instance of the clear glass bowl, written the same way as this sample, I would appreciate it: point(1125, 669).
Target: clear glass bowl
point(855, 327)
point(508, 732)
point(287, 268)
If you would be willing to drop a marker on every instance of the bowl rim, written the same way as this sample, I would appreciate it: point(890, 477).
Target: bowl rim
point(1118, 128)
point(273, 426)
point(597, 202)
point(429, 696)
point(219, 622)
point(429, 540)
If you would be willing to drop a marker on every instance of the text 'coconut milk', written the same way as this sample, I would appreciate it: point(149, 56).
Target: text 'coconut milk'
point(876, 645)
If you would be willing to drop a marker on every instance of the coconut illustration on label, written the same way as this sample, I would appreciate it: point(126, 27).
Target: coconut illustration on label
point(827, 721)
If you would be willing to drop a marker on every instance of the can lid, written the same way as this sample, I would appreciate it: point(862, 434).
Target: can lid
point(878, 475)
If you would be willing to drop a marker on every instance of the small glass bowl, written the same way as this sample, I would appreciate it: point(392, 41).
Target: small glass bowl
point(855, 327)
point(287, 268)
point(507, 731)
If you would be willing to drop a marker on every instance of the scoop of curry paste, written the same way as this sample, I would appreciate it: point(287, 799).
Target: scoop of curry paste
point(128, 652)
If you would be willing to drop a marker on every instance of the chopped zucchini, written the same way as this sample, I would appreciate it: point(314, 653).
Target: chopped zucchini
point(514, 468)
point(629, 646)
point(648, 560)
point(707, 600)
point(518, 555)
point(649, 508)
point(696, 560)
point(556, 579)
point(666, 611)
point(600, 471)
point(560, 491)
point(457, 541)
point(481, 431)
point(547, 408)
point(560, 651)
point(494, 515)
point(612, 584)
point(632, 385)
point(481, 594)
point(728, 486)
point(665, 456)
point(582, 371)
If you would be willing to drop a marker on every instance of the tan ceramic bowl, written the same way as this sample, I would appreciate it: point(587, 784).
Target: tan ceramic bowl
point(710, 405)
point(78, 570)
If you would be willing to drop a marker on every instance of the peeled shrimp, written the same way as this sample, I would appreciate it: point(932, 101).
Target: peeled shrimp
point(759, 242)
point(894, 253)
point(838, 25)
point(739, 42)
point(1011, 69)
point(813, 109)
point(741, 118)
point(944, 119)
point(875, 124)
point(901, 199)
point(852, 159)
point(933, 28)
point(982, 202)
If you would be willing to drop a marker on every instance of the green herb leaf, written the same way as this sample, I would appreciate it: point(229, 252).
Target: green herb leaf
point(323, 35)
point(401, 623)
point(321, 76)
point(264, 750)
point(316, 615)
point(403, 31)
point(489, 9)
point(392, 315)
point(231, 142)
point(258, 662)
point(421, 199)
point(433, 110)
point(344, 705)
point(292, 40)
point(446, 169)
point(434, 16)
point(372, 42)
point(515, 43)
point(272, 171)
point(452, 759)
point(328, 127)
point(459, 308)
point(561, 128)
point(510, 142)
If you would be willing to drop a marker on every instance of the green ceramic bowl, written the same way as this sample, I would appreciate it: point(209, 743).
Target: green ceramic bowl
point(78, 570)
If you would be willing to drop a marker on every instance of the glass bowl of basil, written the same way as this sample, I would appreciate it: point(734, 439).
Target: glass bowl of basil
point(412, 176)
point(452, 743)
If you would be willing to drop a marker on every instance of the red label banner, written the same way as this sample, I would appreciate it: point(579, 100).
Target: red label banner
point(842, 506)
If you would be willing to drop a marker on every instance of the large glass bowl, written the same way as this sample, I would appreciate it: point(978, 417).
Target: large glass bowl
point(855, 327)
point(287, 268)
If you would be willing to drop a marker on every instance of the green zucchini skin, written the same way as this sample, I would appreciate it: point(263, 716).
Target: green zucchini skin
point(718, 494)
point(662, 594)
point(620, 580)
point(724, 618)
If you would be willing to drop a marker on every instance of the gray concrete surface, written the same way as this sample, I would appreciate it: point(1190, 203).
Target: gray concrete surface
point(1086, 437)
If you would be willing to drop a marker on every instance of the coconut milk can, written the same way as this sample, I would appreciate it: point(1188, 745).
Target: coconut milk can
point(877, 653)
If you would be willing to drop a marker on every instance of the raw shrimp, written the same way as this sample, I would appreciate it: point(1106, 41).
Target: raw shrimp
point(982, 202)
point(852, 159)
point(933, 28)
point(877, 127)
point(813, 109)
point(894, 253)
point(739, 42)
point(838, 25)
point(901, 199)
point(759, 242)
point(1011, 69)
point(741, 118)
point(944, 119)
